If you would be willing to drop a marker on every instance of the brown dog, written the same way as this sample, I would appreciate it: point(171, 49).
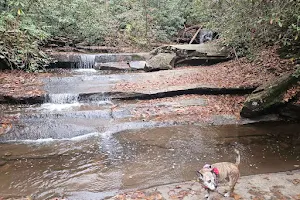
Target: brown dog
point(211, 175)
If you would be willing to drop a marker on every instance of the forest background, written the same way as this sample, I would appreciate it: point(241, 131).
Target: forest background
point(244, 25)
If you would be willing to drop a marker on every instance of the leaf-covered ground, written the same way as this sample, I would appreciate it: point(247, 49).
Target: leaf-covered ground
point(189, 108)
point(232, 74)
point(235, 73)
point(293, 93)
point(20, 84)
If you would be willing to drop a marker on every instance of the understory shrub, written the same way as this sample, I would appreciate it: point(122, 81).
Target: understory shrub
point(245, 25)
point(20, 38)
point(249, 24)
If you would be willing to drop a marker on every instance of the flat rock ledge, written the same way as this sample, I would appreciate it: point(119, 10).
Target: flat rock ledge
point(168, 57)
point(29, 99)
point(121, 95)
point(161, 58)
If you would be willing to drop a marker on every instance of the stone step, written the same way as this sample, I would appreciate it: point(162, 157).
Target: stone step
point(101, 58)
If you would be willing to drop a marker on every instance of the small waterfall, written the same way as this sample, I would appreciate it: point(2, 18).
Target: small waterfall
point(63, 98)
point(87, 61)
point(68, 98)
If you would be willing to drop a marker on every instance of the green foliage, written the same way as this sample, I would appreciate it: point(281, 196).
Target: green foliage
point(245, 25)
point(250, 24)
point(19, 46)
point(107, 21)
point(147, 21)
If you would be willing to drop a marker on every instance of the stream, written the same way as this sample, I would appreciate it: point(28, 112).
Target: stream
point(102, 164)
point(81, 150)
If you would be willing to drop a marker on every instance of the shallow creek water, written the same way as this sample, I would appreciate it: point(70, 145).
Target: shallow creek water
point(104, 164)
point(95, 152)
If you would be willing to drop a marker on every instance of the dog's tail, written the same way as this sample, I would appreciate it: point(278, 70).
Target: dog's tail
point(238, 158)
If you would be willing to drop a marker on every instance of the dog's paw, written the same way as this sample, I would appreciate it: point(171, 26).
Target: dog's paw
point(206, 196)
point(227, 194)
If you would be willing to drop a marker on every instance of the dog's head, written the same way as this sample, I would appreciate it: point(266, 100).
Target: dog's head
point(208, 178)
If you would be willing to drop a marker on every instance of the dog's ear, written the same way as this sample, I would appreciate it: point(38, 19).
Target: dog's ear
point(199, 174)
point(207, 166)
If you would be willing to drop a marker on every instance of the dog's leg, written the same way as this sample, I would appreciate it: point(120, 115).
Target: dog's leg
point(207, 193)
point(232, 182)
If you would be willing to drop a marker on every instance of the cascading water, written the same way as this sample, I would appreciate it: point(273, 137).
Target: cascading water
point(63, 98)
point(59, 102)
point(87, 61)
point(68, 101)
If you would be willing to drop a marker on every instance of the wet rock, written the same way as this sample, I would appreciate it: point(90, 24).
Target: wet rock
point(69, 59)
point(291, 110)
point(248, 187)
point(112, 66)
point(267, 98)
point(66, 57)
point(118, 57)
point(25, 99)
point(2, 162)
point(7, 153)
point(223, 119)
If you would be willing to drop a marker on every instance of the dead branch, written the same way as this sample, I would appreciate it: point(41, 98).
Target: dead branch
point(199, 29)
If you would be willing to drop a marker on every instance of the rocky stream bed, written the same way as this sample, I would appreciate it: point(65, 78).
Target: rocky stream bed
point(98, 133)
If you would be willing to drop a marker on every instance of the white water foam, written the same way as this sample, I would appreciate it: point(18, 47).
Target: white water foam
point(85, 71)
point(87, 61)
point(63, 98)
point(66, 102)
point(59, 107)
point(106, 135)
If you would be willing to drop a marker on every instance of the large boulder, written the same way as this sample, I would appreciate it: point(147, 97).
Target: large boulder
point(167, 57)
point(161, 61)
point(204, 50)
point(270, 96)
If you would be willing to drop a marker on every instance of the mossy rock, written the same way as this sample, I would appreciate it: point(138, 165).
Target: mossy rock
point(268, 97)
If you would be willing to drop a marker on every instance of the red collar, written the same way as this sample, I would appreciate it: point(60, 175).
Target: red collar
point(215, 171)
